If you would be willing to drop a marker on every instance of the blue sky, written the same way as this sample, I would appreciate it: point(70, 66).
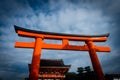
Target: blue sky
point(64, 16)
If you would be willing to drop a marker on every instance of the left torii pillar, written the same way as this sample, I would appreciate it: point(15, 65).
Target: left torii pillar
point(34, 68)
point(34, 71)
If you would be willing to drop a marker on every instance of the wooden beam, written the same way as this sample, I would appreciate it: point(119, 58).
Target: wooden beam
point(59, 37)
point(61, 47)
point(74, 47)
point(24, 44)
point(64, 47)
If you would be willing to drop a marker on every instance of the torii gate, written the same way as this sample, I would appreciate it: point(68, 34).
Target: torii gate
point(39, 44)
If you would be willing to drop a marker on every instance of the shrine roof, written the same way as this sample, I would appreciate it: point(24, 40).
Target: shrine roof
point(53, 63)
point(59, 34)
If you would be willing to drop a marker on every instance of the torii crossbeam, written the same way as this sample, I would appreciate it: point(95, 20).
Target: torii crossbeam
point(39, 44)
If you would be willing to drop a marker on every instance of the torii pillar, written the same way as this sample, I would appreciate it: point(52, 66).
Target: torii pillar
point(39, 44)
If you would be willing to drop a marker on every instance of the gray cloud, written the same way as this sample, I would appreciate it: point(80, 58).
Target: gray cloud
point(70, 16)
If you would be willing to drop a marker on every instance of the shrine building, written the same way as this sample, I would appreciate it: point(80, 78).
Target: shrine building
point(52, 69)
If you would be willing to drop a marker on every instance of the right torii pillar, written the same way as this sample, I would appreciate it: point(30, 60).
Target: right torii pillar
point(39, 44)
point(95, 61)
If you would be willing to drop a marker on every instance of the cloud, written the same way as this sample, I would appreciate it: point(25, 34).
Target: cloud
point(70, 16)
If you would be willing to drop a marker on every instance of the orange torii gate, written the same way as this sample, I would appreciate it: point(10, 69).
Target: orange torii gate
point(39, 44)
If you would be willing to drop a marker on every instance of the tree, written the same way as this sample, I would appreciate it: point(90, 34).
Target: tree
point(80, 70)
point(84, 73)
point(87, 69)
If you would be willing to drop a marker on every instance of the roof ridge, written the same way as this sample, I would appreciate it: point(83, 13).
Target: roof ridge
point(51, 59)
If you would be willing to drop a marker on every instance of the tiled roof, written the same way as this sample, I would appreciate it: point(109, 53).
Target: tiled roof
point(52, 62)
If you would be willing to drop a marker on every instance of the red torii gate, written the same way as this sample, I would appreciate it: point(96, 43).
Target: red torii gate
point(39, 44)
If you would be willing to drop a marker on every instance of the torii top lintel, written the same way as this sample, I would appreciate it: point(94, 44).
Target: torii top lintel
point(59, 36)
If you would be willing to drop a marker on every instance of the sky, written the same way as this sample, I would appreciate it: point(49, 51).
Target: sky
point(61, 16)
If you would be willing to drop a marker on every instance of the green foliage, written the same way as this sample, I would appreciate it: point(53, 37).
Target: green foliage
point(87, 69)
point(80, 70)
point(84, 73)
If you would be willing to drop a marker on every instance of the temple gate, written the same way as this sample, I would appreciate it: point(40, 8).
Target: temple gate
point(39, 44)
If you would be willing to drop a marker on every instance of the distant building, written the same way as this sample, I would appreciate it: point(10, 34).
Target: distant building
point(52, 69)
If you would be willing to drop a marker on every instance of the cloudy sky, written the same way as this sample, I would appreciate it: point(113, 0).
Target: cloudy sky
point(64, 16)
